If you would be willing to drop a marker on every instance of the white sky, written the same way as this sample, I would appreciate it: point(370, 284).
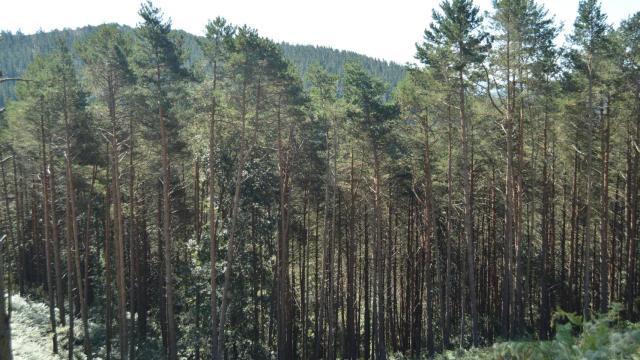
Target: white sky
point(385, 29)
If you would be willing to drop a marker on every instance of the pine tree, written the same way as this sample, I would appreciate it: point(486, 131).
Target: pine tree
point(160, 65)
point(630, 30)
point(216, 47)
point(372, 118)
point(458, 28)
point(590, 30)
point(106, 53)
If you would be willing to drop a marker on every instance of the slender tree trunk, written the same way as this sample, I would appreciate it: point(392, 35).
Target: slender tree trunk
point(316, 281)
point(56, 242)
point(332, 244)
point(429, 231)
point(5, 327)
point(283, 295)
point(467, 175)
point(107, 271)
point(586, 295)
point(563, 248)
point(70, 280)
point(615, 265)
point(197, 211)
point(162, 316)
point(213, 244)
point(119, 236)
point(235, 207)
point(8, 221)
point(73, 227)
point(545, 316)
point(46, 232)
point(573, 271)
point(604, 217)
point(518, 294)
point(367, 292)
point(172, 352)
point(633, 165)
point(133, 256)
point(304, 261)
point(448, 267)
point(379, 255)
point(86, 254)
point(17, 191)
point(351, 347)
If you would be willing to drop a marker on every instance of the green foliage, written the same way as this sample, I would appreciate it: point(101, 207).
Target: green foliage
point(457, 30)
point(30, 324)
point(314, 142)
point(367, 109)
point(18, 50)
point(604, 337)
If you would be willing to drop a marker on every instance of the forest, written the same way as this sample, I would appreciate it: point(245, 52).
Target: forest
point(18, 50)
point(169, 196)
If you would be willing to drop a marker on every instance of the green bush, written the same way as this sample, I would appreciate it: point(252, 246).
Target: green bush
point(602, 338)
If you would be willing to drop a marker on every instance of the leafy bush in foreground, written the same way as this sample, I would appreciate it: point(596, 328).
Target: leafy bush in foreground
point(604, 337)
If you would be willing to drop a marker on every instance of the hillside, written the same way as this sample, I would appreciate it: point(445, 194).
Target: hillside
point(169, 197)
point(18, 50)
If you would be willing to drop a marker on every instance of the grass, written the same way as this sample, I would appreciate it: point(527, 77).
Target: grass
point(31, 335)
point(602, 338)
point(30, 330)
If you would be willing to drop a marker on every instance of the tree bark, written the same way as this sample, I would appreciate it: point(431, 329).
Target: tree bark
point(604, 217)
point(73, 226)
point(467, 175)
point(46, 232)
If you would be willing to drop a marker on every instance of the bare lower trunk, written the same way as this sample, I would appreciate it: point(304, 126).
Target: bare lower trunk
point(47, 239)
point(5, 329)
point(381, 352)
point(235, 208)
point(467, 175)
point(604, 217)
point(73, 227)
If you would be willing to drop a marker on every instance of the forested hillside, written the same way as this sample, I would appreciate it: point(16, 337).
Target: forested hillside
point(171, 197)
point(17, 51)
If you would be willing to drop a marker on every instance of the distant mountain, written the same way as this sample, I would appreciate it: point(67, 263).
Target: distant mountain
point(17, 51)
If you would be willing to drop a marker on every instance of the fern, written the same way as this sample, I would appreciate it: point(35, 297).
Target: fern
point(606, 336)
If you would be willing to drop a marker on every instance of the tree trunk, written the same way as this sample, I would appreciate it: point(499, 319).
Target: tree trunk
point(235, 207)
point(367, 291)
point(467, 175)
point(381, 352)
point(133, 256)
point(545, 311)
point(429, 232)
point(604, 217)
point(449, 239)
point(57, 262)
point(5, 328)
point(172, 352)
point(47, 239)
point(351, 346)
point(283, 294)
point(73, 226)
point(213, 242)
point(586, 295)
point(107, 270)
point(119, 236)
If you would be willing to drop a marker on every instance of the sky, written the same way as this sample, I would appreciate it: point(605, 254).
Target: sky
point(384, 29)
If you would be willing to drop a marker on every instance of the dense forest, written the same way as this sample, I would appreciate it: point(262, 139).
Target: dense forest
point(228, 197)
point(17, 51)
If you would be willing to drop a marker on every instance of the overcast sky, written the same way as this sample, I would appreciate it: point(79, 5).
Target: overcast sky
point(383, 29)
